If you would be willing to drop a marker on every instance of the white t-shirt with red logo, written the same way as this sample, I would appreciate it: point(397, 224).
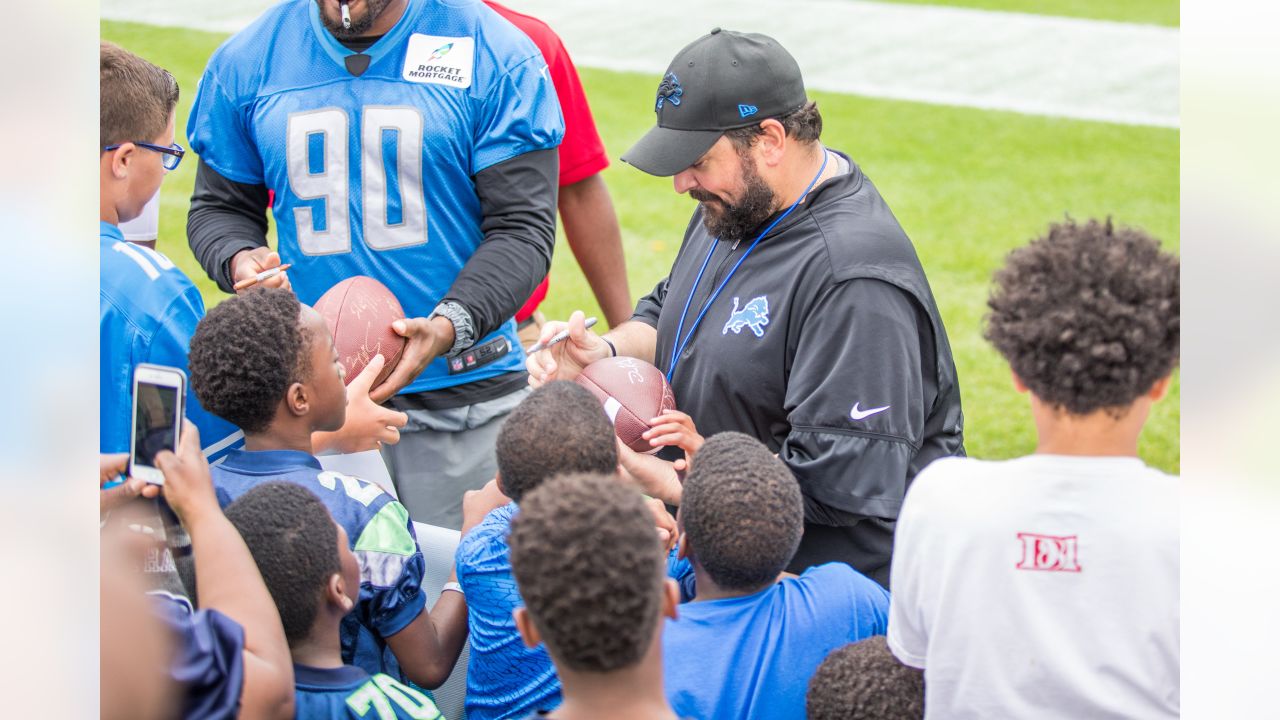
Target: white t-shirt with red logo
point(1041, 587)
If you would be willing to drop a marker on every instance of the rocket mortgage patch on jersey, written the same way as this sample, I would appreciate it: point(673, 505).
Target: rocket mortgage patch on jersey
point(440, 60)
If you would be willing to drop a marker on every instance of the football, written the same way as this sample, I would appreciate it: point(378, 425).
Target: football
point(359, 312)
point(633, 392)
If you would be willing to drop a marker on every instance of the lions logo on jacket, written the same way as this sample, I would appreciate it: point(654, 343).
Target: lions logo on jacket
point(754, 315)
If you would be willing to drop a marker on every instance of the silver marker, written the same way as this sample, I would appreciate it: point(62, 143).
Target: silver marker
point(557, 338)
point(346, 15)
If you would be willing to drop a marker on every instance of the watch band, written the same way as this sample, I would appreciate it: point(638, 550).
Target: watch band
point(464, 331)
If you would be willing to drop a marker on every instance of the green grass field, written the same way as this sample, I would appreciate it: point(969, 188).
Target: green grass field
point(1151, 12)
point(968, 186)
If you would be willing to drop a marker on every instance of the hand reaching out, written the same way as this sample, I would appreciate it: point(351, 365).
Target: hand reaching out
point(666, 525)
point(111, 469)
point(368, 425)
point(675, 428)
point(654, 476)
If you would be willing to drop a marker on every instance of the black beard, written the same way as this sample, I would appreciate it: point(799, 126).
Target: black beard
point(359, 25)
point(737, 221)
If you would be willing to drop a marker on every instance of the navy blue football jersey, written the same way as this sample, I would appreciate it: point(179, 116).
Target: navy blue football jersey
point(381, 537)
point(208, 660)
point(348, 693)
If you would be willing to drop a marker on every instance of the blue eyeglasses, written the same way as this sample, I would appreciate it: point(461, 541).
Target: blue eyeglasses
point(172, 154)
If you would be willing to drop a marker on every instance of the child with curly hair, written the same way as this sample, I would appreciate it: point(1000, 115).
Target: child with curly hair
point(1047, 586)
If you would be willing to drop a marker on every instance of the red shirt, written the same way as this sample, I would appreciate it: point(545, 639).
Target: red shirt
point(582, 152)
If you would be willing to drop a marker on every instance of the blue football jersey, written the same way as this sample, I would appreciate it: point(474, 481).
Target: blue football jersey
point(372, 174)
point(349, 692)
point(148, 311)
point(208, 658)
point(381, 537)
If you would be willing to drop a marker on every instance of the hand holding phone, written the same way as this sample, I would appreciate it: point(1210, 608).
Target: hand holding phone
point(188, 487)
point(159, 394)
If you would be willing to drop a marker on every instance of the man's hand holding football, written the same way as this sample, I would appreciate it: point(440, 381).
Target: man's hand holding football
point(427, 339)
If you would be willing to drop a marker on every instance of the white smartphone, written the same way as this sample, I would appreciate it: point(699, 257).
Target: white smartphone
point(159, 394)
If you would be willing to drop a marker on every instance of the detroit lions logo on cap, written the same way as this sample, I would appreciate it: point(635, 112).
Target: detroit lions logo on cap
point(754, 315)
point(669, 89)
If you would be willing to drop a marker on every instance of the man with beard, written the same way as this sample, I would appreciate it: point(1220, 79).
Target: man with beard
point(796, 310)
point(412, 141)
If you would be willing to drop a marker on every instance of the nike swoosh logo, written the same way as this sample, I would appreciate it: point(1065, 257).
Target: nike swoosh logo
point(857, 414)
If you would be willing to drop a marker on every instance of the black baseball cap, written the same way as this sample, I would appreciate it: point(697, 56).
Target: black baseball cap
point(721, 81)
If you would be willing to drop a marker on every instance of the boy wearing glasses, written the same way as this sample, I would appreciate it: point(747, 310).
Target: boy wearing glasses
point(148, 308)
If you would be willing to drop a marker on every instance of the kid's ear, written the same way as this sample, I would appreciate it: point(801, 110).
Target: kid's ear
point(335, 593)
point(297, 399)
point(1160, 388)
point(528, 633)
point(1017, 382)
point(120, 159)
point(683, 552)
point(670, 598)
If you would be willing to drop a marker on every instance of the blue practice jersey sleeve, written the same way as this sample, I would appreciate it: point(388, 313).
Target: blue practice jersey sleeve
point(520, 115)
point(218, 130)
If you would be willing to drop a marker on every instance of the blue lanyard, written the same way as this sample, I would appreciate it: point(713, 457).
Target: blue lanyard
point(680, 345)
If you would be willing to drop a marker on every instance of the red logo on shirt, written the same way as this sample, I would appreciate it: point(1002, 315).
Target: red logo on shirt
point(1048, 552)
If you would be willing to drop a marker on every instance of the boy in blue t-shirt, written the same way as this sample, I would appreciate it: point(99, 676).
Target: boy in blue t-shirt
point(267, 363)
point(558, 428)
point(314, 578)
point(754, 640)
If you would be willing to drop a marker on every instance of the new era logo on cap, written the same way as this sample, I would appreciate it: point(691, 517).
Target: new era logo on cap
point(745, 110)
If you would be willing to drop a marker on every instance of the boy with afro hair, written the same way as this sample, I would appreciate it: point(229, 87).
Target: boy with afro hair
point(591, 572)
point(754, 640)
point(265, 362)
point(864, 681)
point(1047, 586)
point(314, 579)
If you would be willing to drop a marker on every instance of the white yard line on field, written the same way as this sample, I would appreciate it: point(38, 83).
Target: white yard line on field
point(1064, 67)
